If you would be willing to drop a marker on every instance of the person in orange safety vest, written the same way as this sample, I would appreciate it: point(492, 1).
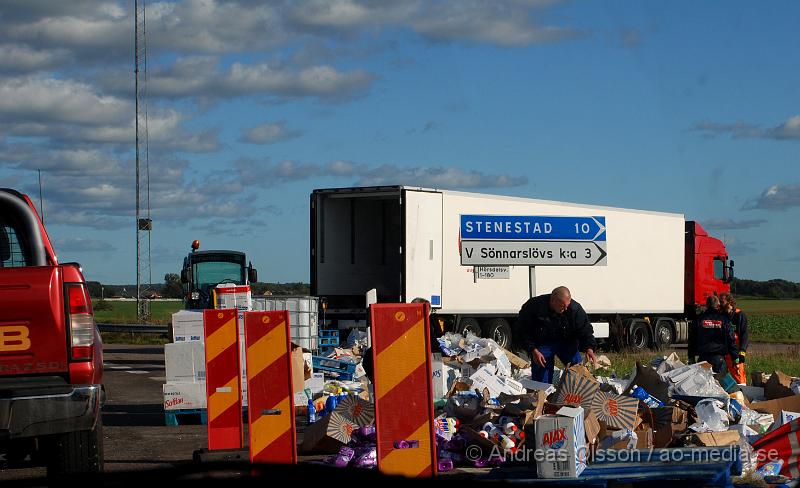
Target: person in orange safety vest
point(740, 333)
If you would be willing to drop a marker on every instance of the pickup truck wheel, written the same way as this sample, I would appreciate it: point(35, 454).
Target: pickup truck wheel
point(77, 452)
point(469, 326)
point(499, 331)
point(639, 338)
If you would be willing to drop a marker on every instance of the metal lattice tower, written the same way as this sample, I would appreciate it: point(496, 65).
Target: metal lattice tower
point(144, 223)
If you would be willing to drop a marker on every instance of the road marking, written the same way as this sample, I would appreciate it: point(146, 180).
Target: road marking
point(115, 366)
point(137, 371)
point(158, 378)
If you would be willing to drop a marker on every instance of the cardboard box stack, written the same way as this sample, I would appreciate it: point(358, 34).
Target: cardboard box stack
point(185, 357)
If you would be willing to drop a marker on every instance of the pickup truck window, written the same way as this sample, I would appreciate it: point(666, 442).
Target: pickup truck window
point(11, 255)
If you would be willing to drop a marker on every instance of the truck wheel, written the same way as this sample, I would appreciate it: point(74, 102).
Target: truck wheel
point(469, 325)
point(77, 452)
point(665, 334)
point(639, 338)
point(499, 331)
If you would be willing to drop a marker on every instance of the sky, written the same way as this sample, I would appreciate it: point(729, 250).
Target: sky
point(686, 107)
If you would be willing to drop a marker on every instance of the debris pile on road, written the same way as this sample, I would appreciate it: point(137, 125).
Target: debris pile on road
point(490, 402)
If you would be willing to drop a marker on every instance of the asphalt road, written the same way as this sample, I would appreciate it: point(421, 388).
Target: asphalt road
point(135, 436)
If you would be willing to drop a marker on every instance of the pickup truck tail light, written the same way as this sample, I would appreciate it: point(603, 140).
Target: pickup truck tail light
point(81, 321)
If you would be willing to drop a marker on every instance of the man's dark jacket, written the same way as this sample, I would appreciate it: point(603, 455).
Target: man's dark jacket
point(711, 334)
point(539, 325)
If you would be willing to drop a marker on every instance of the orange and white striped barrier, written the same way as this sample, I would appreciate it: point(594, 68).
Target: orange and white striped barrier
point(403, 394)
point(270, 395)
point(223, 381)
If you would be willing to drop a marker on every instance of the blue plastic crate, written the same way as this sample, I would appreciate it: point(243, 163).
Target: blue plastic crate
point(343, 369)
point(328, 338)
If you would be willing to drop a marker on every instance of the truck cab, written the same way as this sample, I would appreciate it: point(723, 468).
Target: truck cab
point(708, 269)
point(51, 361)
point(204, 270)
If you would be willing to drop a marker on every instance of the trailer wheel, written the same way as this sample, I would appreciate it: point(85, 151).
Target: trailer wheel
point(639, 338)
point(665, 334)
point(469, 325)
point(499, 331)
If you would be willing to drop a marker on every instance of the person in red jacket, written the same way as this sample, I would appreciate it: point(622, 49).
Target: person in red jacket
point(740, 334)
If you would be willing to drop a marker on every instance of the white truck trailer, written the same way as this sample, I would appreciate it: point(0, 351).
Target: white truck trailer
point(406, 242)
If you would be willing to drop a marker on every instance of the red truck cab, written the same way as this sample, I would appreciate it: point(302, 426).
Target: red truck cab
point(51, 361)
point(708, 270)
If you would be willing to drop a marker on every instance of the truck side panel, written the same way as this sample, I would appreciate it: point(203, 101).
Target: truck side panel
point(644, 273)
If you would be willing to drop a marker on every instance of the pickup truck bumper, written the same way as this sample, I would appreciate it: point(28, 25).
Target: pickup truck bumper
point(49, 410)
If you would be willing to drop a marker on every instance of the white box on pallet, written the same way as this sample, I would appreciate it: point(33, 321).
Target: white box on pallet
point(187, 325)
point(184, 396)
point(230, 295)
point(561, 444)
point(185, 362)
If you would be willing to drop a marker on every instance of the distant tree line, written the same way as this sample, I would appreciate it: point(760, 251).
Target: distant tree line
point(172, 288)
point(765, 289)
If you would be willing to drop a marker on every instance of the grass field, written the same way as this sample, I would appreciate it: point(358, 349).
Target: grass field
point(772, 320)
point(623, 363)
point(125, 312)
point(769, 306)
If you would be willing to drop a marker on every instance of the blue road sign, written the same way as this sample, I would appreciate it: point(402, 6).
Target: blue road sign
point(533, 228)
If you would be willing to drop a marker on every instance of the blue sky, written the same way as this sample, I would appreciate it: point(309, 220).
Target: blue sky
point(670, 106)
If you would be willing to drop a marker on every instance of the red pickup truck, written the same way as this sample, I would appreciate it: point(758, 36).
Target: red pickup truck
point(51, 361)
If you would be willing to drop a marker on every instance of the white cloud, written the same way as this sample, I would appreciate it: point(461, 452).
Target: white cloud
point(776, 197)
point(202, 77)
point(56, 100)
point(787, 130)
point(21, 58)
point(366, 175)
point(83, 244)
point(269, 133)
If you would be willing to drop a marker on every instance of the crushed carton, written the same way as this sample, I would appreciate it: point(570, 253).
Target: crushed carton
point(790, 404)
point(613, 385)
point(619, 439)
point(357, 410)
point(753, 393)
point(644, 438)
point(758, 378)
point(485, 379)
point(592, 427)
point(328, 435)
point(562, 441)
point(651, 381)
point(668, 422)
point(616, 411)
point(715, 439)
point(463, 406)
point(778, 386)
point(577, 387)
